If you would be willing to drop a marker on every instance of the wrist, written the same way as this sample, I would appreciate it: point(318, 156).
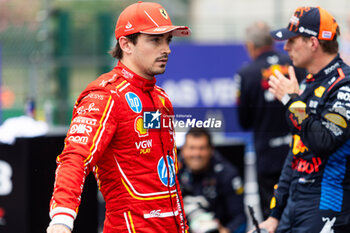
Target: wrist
point(63, 216)
point(61, 226)
point(288, 97)
point(62, 220)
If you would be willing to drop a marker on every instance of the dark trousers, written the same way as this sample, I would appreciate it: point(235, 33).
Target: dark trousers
point(303, 215)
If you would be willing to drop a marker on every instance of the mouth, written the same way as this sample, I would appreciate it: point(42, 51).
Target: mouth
point(163, 60)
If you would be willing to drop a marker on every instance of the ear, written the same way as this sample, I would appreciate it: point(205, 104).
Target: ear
point(314, 43)
point(125, 45)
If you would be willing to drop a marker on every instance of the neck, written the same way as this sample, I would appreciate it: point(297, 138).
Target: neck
point(128, 63)
point(256, 52)
point(319, 62)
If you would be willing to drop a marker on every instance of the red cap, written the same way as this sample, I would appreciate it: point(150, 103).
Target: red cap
point(147, 18)
point(309, 21)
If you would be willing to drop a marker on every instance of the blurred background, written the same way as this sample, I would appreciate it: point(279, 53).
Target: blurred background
point(51, 49)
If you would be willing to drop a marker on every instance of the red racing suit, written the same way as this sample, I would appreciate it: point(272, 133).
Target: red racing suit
point(134, 165)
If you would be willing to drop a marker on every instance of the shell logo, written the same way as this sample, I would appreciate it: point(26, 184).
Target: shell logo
point(142, 132)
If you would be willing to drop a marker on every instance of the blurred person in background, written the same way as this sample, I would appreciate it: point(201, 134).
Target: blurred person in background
point(260, 111)
point(345, 42)
point(313, 192)
point(211, 187)
point(134, 167)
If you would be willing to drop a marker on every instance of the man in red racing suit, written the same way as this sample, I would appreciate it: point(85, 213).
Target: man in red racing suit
point(134, 166)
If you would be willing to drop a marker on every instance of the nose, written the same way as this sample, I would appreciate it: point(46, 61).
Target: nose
point(166, 48)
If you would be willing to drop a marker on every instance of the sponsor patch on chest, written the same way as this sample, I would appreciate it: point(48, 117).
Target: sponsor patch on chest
point(134, 102)
point(166, 171)
point(144, 146)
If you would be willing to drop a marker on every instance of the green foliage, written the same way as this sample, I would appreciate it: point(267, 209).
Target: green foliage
point(93, 6)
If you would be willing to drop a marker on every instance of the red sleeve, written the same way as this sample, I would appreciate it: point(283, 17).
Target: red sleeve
point(92, 128)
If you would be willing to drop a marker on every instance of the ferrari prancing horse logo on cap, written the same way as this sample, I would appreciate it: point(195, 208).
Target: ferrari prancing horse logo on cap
point(163, 12)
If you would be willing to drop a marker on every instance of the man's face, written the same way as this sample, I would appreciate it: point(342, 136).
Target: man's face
point(150, 54)
point(299, 51)
point(196, 153)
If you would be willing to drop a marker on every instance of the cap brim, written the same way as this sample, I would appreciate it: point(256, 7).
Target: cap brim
point(283, 34)
point(180, 31)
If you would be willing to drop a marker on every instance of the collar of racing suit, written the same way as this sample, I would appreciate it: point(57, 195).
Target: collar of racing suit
point(134, 79)
point(333, 65)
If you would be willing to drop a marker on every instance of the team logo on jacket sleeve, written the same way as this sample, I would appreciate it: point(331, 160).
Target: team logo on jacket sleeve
point(298, 145)
point(166, 171)
point(134, 102)
point(298, 108)
point(336, 119)
point(319, 91)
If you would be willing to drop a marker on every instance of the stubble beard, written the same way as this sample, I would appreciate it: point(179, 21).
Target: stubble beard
point(155, 71)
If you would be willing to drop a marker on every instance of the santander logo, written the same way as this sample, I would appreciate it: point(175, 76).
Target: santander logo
point(128, 26)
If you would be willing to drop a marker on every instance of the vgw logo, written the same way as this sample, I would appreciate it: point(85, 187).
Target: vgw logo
point(151, 120)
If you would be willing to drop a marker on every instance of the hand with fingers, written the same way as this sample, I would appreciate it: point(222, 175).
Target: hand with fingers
point(280, 85)
point(269, 225)
point(58, 228)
